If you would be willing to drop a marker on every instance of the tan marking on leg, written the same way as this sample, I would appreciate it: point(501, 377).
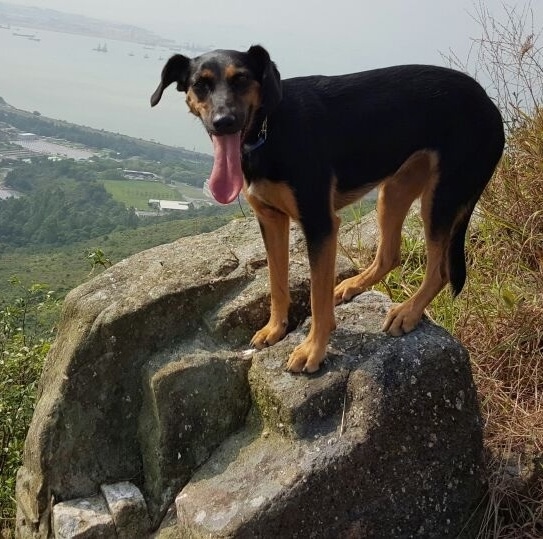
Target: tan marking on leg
point(275, 230)
point(405, 317)
point(396, 195)
point(309, 355)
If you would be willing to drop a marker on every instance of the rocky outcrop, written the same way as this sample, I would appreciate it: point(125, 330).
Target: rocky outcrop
point(149, 394)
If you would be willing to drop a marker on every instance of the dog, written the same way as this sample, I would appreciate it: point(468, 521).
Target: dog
point(302, 148)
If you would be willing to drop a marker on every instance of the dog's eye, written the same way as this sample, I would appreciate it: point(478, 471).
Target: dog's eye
point(240, 80)
point(202, 86)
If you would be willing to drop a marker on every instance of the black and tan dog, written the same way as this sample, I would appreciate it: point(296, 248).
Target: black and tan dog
point(302, 148)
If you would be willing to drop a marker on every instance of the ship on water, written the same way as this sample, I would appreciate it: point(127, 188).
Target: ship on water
point(101, 48)
point(32, 37)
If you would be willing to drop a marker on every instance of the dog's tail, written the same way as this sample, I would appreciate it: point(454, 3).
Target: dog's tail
point(453, 208)
point(456, 255)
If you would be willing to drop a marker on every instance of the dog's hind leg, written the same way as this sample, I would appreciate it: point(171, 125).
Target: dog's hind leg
point(405, 317)
point(447, 203)
point(396, 195)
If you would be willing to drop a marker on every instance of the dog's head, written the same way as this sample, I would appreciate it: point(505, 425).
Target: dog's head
point(224, 89)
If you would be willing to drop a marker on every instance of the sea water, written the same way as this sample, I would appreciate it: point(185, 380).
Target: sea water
point(62, 76)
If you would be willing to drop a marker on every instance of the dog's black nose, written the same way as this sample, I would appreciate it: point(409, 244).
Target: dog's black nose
point(223, 122)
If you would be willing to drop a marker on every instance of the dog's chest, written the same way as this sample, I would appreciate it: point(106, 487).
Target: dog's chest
point(276, 195)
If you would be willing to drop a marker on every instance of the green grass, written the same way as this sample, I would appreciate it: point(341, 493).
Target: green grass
point(136, 194)
point(24, 342)
point(189, 190)
point(356, 211)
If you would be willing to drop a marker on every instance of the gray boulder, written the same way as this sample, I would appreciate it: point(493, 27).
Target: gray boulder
point(385, 441)
point(149, 382)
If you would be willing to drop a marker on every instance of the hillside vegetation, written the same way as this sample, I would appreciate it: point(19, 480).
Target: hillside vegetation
point(63, 268)
point(69, 201)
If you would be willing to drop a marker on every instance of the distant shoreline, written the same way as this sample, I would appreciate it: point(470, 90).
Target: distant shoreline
point(103, 34)
point(180, 151)
point(13, 17)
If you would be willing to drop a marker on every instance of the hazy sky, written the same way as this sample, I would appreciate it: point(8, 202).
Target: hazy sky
point(306, 36)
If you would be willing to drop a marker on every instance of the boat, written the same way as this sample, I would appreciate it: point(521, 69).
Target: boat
point(101, 48)
point(24, 35)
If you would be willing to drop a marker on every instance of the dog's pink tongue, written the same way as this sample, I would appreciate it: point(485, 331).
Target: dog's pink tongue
point(226, 178)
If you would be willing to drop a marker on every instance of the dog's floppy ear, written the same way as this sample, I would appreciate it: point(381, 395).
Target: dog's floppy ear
point(269, 77)
point(177, 69)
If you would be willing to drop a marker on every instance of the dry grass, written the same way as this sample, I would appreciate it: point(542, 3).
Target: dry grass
point(501, 323)
point(499, 318)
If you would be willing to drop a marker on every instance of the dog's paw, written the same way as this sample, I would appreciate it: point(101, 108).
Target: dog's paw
point(270, 334)
point(402, 319)
point(347, 289)
point(306, 357)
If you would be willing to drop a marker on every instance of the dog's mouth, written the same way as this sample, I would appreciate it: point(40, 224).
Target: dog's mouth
point(226, 179)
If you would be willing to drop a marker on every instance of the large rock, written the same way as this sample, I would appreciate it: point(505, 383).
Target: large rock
point(385, 441)
point(149, 381)
point(96, 402)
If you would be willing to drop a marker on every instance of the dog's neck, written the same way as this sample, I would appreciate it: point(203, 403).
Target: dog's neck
point(257, 134)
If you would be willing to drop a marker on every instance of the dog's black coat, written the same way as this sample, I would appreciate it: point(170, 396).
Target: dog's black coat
point(360, 128)
point(329, 140)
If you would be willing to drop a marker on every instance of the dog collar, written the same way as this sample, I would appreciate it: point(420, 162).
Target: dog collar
point(262, 136)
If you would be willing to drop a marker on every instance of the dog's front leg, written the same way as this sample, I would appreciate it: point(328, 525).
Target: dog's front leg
point(274, 226)
point(309, 355)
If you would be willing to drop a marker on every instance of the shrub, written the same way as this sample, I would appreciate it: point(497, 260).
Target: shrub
point(23, 346)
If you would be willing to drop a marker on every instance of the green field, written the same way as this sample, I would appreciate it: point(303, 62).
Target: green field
point(136, 194)
point(189, 190)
